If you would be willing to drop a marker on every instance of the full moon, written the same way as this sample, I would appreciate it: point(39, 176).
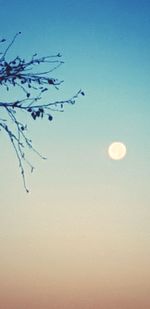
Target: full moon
point(117, 151)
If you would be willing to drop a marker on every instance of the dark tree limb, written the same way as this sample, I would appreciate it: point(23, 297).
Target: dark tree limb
point(20, 74)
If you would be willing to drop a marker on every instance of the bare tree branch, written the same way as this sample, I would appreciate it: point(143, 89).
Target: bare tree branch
point(19, 73)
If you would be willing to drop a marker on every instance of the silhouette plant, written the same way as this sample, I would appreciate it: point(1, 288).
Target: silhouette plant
point(31, 84)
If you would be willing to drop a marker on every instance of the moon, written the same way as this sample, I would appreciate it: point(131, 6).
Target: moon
point(117, 151)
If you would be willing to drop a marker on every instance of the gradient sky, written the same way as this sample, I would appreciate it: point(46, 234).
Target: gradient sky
point(81, 238)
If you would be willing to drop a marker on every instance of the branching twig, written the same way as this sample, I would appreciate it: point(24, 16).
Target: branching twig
point(19, 73)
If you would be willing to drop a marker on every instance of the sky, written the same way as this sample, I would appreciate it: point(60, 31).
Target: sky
point(81, 238)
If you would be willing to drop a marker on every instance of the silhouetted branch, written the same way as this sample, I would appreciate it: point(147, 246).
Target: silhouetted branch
point(20, 74)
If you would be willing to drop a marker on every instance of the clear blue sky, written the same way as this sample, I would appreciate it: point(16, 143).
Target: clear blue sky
point(80, 239)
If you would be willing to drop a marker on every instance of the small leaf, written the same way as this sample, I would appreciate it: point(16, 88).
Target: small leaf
point(51, 81)
point(50, 118)
point(33, 114)
point(29, 109)
point(3, 40)
point(38, 113)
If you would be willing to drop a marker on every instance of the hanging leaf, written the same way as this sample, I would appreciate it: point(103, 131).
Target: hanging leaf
point(50, 118)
